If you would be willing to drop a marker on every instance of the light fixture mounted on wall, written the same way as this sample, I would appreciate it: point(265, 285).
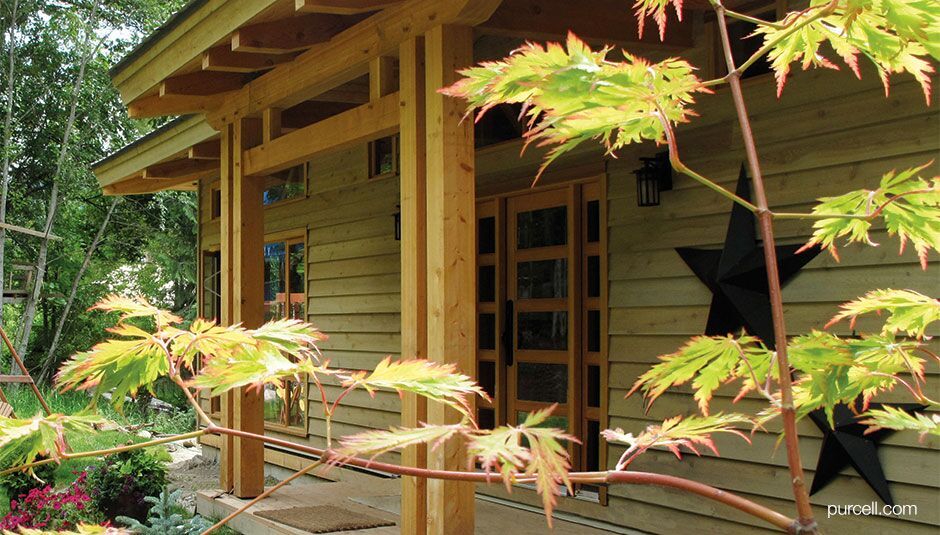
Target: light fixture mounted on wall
point(398, 222)
point(654, 177)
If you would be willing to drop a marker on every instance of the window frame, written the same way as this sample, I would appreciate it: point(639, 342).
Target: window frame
point(302, 196)
point(396, 158)
point(288, 238)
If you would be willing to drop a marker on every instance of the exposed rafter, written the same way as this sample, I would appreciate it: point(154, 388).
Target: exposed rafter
point(180, 169)
point(554, 18)
point(224, 59)
point(289, 35)
point(157, 106)
point(138, 185)
point(342, 7)
point(202, 83)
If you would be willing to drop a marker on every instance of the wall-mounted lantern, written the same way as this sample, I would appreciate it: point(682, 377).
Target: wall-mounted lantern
point(654, 177)
point(398, 223)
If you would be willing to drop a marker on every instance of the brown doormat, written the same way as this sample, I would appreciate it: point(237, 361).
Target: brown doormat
point(323, 519)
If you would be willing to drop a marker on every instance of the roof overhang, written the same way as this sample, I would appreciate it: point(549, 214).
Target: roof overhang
point(167, 158)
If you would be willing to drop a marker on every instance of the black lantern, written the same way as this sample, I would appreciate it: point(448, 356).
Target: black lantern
point(655, 176)
point(398, 223)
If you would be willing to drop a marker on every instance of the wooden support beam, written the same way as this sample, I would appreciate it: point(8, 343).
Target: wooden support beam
point(242, 208)
point(202, 83)
point(451, 261)
point(270, 124)
point(224, 59)
point(179, 169)
point(358, 125)
point(289, 35)
point(29, 231)
point(157, 106)
point(226, 314)
point(346, 56)
point(342, 7)
point(139, 186)
point(383, 77)
point(552, 19)
point(207, 150)
point(414, 319)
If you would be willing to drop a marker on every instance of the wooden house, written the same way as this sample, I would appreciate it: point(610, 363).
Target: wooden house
point(337, 185)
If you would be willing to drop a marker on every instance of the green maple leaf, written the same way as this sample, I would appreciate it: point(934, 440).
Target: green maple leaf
point(24, 440)
point(906, 311)
point(889, 417)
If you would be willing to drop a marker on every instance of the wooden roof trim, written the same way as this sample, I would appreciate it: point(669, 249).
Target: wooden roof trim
point(347, 55)
point(129, 163)
point(342, 7)
point(201, 29)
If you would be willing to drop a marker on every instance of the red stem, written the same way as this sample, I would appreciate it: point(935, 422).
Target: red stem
point(807, 523)
point(770, 516)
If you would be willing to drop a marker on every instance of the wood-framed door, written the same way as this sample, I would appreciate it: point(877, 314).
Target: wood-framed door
point(541, 306)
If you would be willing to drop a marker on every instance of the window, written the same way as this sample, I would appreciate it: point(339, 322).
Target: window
point(285, 404)
point(285, 185)
point(215, 202)
point(383, 157)
point(211, 306)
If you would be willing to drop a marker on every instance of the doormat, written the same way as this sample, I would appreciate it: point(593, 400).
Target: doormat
point(323, 519)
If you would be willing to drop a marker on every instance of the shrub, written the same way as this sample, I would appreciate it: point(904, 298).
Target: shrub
point(18, 484)
point(47, 510)
point(167, 517)
point(119, 485)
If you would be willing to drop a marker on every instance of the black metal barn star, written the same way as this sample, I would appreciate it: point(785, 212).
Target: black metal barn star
point(736, 275)
point(847, 444)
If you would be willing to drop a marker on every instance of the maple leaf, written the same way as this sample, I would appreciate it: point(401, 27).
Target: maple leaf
point(254, 365)
point(435, 381)
point(136, 307)
point(376, 442)
point(709, 362)
point(909, 205)
point(690, 432)
point(896, 35)
point(906, 311)
point(889, 417)
point(23, 440)
point(571, 94)
point(657, 10)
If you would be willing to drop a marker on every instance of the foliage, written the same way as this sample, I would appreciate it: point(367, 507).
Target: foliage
point(908, 312)
point(82, 529)
point(17, 484)
point(120, 484)
point(48, 510)
point(907, 202)
point(896, 35)
point(572, 94)
point(166, 518)
point(891, 418)
point(677, 432)
point(25, 439)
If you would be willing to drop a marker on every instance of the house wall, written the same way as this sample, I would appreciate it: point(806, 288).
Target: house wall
point(846, 141)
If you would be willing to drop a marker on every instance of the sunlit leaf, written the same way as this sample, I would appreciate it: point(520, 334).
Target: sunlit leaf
point(572, 94)
point(889, 417)
point(657, 10)
point(438, 382)
point(253, 365)
point(895, 35)
point(690, 432)
point(24, 440)
point(905, 311)
point(909, 206)
point(708, 362)
point(376, 442)
point(136, 307)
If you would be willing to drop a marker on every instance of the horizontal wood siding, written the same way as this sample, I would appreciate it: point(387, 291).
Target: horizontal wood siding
point(656, 303)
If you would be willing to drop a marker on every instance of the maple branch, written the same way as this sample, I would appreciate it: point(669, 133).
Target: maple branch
point(806, 522)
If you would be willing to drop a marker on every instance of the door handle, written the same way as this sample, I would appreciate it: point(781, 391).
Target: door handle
point(507, 334)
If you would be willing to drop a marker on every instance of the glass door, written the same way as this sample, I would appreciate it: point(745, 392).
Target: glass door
point(541, 308)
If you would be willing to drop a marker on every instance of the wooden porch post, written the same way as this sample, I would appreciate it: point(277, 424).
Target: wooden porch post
point(451, 262)
point(414, 319)
point(242, 229)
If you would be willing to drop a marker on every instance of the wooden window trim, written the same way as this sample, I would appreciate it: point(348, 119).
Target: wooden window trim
point(396, 158)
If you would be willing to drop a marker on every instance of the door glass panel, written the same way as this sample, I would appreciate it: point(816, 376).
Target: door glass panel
point(554, 421)
point(593, 221)
point(486, 234)
point(486, 283)
point(547, 383)
point(594, 276)
point(486, 418)
point(543, 330)
point(542, 228)
point(486, 336)
point(486, 376)
point(275, 299)
point(594, 386)
point(542, 279)
point(594, 331)
point(593, 446)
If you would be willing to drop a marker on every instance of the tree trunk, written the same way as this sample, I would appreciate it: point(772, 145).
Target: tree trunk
point(50, 362)
point(29, 311)
point(6, 148)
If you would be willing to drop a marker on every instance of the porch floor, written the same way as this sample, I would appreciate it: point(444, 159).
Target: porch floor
point(379, 498)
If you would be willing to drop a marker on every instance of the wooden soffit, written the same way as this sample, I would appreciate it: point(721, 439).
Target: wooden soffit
point(171, 157)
